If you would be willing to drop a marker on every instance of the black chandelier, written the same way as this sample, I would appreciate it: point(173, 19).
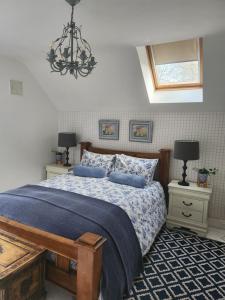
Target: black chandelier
point(71, 52)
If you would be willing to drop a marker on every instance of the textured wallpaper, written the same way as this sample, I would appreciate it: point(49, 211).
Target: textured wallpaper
point(208, 128)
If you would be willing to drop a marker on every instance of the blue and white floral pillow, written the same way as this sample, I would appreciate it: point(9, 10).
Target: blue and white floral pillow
point(92, 159)
point(138, 166)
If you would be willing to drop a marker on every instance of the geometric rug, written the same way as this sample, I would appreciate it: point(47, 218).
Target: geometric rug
point(182, 266)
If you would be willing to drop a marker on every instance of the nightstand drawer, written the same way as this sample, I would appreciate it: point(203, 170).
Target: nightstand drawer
point(56, 170)
point(185, 202)
point(51, 175)
point(187, 214)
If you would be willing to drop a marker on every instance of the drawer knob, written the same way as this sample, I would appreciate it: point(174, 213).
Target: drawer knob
point(187, 216)
point(187, 204)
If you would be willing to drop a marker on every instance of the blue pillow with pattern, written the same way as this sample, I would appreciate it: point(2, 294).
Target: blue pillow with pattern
point(91, 159)
point(138, 166)
point(128, 179)
point(83, 171)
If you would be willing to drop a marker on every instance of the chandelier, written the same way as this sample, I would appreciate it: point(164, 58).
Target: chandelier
point(70, 52)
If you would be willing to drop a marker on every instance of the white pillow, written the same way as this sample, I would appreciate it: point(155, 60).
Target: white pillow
point(92, 159)
point(134, 165)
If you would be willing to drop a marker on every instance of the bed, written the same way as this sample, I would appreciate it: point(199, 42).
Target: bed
point(86, 250)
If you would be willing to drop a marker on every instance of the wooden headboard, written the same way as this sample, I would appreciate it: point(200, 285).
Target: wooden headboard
point(162, 173)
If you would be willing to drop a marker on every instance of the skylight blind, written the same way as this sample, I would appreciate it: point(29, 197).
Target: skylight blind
point(175, 52)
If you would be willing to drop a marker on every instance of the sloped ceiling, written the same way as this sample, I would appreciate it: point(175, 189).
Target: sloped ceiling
point(114, 28)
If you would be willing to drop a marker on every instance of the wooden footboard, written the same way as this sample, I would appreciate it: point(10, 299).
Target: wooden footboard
point(86, 251)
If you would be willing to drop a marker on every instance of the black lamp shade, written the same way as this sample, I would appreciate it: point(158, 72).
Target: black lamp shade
point(186, 150)
point(67, 139)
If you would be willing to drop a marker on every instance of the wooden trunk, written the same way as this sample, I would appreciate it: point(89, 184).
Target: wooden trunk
point(21, 269)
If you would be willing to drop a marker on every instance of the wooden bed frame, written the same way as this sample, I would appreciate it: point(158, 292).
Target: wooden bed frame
point(86, 250)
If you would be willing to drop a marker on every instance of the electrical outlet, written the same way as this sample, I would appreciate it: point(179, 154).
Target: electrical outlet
point(16, 87)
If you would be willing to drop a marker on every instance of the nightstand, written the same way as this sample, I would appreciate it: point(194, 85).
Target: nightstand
point(188, 207)
point(55, 170)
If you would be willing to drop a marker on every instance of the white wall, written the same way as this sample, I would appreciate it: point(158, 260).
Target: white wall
point(28, 127)
point(208, 128)
point(117, 83)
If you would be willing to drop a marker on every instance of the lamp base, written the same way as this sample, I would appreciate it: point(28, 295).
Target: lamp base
point(67, 165)
point(67, 158)
point(184, 183)
point(184, 175)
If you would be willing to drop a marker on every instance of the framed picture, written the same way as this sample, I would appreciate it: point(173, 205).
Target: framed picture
point(140, 131)
point(109, 129)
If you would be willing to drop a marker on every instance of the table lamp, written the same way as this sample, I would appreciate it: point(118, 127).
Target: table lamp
point(67, 140)
point(186, 150)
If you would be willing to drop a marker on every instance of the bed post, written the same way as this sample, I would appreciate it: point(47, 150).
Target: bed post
point(164, 169)
point(89, 266)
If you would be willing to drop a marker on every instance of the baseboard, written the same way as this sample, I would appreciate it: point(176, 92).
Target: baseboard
point(218, 223)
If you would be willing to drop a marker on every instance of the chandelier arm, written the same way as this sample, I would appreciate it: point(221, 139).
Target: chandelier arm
point(82, 73)
point(59, 70)
point(62, 39)
point(54, 67)
point(64, 73)
point(75, 75)
point(85, 45)
point(84, 42)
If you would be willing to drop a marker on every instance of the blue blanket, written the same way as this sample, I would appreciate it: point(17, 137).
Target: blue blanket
point(70, 215)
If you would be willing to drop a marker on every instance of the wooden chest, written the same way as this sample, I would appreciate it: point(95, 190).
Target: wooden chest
point(21, 269)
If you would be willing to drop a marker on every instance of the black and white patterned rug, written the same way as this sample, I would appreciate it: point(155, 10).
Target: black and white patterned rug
point(182, 266)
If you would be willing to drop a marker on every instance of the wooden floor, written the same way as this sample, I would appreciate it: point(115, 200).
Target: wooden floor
point(56, 293)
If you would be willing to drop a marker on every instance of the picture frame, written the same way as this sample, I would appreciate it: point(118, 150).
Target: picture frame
point(140, 131)
point(109, 129)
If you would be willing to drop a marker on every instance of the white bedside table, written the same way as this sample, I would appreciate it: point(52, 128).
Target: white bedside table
point(188, 207)
point(55, 170)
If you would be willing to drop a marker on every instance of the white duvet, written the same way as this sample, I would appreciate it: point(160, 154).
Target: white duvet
point(145, 207)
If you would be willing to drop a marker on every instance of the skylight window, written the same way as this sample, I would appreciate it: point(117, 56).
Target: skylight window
point(177, 65)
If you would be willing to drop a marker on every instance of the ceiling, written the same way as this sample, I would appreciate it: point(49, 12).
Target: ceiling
point(113, 28)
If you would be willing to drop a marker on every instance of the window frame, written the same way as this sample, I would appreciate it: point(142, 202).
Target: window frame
point(178, 86)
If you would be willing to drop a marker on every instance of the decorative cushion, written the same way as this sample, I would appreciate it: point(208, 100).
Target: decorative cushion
point(138, 166)
point(91, 159)
point(84, 171)
point(128, 179)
